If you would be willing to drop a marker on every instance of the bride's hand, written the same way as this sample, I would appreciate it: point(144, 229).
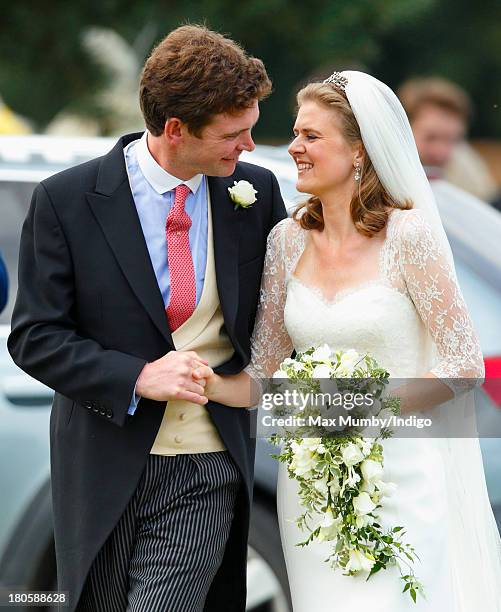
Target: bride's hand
point(228, 389)
point(207, 378)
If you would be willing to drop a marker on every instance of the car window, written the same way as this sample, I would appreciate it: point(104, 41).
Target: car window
point(14, 201)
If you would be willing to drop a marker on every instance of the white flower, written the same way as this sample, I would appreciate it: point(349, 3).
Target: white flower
point(304, 459)
point(353, 478)
point(321, 486)
point(280, 374)
point(334, 487)
point(329, 526)
point(313, 444)
point(298, 366)
point(243, 194)
point(321, 353)
point(347, 363)
point(351, 454)
point(350, 358)
point(387, 489)
point(321, 371)
point(366, 445)
point(363, 520)
point(302, 465)
point(368, 487)
point(359, 561)
point(363, 504)
point(371, 470)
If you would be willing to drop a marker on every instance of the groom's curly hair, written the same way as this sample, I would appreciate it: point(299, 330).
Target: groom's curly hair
point(194, 74)
point(370, 202)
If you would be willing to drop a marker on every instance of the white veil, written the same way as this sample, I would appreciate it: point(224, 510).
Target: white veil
point(473, 535)
point(390, 144)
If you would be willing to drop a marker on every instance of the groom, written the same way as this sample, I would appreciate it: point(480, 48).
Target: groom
point(135, 269)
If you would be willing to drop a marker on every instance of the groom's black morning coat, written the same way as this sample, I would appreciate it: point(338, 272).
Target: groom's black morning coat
point(89, 314)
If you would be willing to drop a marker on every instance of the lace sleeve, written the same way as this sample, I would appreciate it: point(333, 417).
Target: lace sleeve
point(432, 285)
point(270, 342)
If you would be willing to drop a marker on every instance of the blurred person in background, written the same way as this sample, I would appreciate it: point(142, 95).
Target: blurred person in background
point(4, 284)
point(439, 112)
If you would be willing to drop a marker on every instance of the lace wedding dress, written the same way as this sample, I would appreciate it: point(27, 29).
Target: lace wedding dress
point(412, 319)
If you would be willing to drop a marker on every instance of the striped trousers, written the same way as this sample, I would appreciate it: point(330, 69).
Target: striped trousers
point(169, 543)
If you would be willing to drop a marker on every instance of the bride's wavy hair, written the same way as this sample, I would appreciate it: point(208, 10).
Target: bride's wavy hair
point(370, 202)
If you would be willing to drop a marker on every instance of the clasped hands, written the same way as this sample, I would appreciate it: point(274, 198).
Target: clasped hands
point(179, 375)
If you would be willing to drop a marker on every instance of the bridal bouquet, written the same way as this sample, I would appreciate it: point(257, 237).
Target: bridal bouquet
point(341, 475)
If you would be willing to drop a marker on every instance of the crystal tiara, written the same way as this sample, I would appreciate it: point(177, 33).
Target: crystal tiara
point(338, 80)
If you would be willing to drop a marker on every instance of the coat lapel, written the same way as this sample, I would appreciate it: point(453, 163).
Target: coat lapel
point(115, 211)
point(226, 224)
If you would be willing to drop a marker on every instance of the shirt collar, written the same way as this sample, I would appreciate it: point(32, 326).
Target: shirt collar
point(157, 177)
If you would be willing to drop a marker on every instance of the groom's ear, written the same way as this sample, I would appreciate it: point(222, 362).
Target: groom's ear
point(174, 129)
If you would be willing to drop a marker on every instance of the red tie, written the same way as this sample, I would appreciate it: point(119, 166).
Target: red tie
point(183, 294)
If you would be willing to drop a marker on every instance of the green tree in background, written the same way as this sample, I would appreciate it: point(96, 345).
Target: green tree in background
point(44, 67)
point(457, 39)
point(296, 39)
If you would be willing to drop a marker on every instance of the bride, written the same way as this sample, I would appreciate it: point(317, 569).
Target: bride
point(365, 264)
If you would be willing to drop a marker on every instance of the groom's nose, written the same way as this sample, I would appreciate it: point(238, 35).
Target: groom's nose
point(246, 144)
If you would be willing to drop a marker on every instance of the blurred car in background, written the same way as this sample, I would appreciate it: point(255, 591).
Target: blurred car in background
point(26, 537)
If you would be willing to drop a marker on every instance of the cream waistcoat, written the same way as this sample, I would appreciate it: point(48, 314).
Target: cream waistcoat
point(187, 427)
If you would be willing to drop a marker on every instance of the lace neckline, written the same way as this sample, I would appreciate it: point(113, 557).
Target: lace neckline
point(342, 293)
point(381, 278)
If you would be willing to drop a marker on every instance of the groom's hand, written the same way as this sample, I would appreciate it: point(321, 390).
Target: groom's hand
point(170, 377)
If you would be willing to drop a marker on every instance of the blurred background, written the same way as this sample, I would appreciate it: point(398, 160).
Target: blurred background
point(82, 59)
point(69, 75)
point(71, 68)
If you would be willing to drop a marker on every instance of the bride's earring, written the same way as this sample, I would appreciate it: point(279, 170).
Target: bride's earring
point(357, 172)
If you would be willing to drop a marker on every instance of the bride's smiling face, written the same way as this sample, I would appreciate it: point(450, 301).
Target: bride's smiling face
point(324, 158)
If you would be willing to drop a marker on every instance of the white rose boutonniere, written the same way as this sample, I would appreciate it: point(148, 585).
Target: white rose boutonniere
point(243, 194)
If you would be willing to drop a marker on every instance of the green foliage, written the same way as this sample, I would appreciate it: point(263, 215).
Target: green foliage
point(455, 39)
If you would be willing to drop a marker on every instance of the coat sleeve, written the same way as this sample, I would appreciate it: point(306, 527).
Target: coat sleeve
point(44, 340)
